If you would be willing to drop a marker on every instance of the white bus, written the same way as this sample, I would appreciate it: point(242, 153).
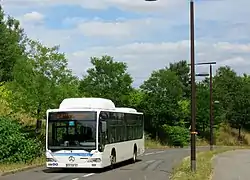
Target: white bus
point(92, 133)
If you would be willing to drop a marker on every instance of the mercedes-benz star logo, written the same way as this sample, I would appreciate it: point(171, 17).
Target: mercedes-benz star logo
point(71, 159)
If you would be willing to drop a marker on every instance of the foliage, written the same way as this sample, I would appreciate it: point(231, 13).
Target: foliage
point(162, 92)
point(182, 70)
point(15, 145)
point(177, 135)
point(11, 38)
point(185, 114)
point(13, 167)
point(135, 99)
point(203, 108)
point(34, 78)
point(107, 79)
point(41, 81)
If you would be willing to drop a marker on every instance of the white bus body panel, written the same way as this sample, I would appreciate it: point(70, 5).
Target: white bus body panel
point(84, 159)
point(124, 150)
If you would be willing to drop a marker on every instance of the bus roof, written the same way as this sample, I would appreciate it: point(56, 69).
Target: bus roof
point(126, 110)
point(87, 103)
point(92, 104)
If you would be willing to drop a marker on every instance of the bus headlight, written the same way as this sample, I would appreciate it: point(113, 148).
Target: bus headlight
point(50, 160)
point(94, 160)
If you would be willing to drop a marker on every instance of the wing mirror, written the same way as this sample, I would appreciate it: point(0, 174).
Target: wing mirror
point(104, 126)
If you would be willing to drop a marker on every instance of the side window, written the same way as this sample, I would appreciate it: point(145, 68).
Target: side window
point(116, 127)
point(134, 126)
point(129, 127)
point(139, 127)
point(122, 126)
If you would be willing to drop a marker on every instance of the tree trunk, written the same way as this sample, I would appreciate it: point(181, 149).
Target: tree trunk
point(156, 135)
point(38, 110)
point(239, 137)
point(203, 129)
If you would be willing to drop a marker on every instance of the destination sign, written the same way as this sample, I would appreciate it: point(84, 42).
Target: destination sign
point(72, 115)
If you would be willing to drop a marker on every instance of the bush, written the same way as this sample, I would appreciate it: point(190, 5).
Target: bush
point(16, 145)
point(177, 136)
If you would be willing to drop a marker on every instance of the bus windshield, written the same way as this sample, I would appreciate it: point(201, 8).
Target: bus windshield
point(72, 131)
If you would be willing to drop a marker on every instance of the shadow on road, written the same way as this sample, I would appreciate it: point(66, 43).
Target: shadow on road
point(89, 170)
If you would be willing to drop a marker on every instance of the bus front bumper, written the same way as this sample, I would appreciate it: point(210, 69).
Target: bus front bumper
point(81, 165)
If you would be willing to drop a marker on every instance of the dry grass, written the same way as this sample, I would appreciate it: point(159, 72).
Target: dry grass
point(228, 136)
point(204, 166)
point(152, 144)
point(201, 142)
point(21, 117)
point(19, 166)
point(4, 108)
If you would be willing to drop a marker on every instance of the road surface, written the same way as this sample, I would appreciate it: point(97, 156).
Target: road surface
point(153, 165)
point(232, 165)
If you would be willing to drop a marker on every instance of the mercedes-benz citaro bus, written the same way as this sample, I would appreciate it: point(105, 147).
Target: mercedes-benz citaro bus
point(92, 133)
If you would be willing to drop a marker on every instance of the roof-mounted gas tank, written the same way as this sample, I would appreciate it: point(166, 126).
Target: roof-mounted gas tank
point(87, 103)
point(126, 110)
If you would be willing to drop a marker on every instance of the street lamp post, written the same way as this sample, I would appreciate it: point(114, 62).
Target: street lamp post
point(193, 92)
point(211, 101)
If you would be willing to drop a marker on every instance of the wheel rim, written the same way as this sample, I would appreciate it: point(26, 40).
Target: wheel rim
point(134, 156)
point(112, 159)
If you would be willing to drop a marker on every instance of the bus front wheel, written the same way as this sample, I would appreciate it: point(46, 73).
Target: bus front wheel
point(112, 159)
point(135, 155)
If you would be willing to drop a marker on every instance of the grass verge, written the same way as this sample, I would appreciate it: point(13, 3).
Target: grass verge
point(16, 167)
point(152, 144)
point(204, 165)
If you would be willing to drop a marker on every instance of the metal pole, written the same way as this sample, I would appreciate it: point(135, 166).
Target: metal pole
point(193, 94)
point(211, 111)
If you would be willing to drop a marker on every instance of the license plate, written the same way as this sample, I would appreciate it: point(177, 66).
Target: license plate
point(71, 165)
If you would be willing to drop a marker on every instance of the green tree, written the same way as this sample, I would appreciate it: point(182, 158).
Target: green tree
point(203, 107)
point(163, 91)
point(226, 86)
point(135, 99)
point(182, 70)
point(12, 45)
point(185, 113)
point(177, 135)
point(42, 80)
point(239, 116)
point(107, 79)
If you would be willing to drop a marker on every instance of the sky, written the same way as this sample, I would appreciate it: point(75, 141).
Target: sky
point(145, 35)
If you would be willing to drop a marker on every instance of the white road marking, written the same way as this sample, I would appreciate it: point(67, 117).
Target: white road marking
point(87, 175)
point(157, 152)
point(75, 179)
point(58, 177)
point(150, 161)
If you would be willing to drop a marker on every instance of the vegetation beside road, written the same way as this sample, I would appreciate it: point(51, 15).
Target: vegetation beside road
point(34, 78)
point(204, 165)
point(15, 167)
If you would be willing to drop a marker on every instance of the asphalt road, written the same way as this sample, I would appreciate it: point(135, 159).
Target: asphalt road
point(232, 165)
point(153, 165)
